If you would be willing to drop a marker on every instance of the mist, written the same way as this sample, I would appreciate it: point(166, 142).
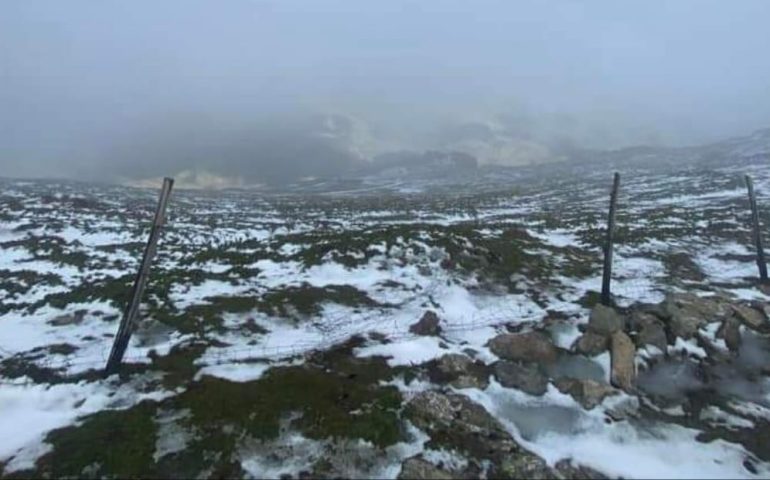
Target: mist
point(267, 91)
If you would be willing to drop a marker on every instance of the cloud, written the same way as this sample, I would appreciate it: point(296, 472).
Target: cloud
point(99, 89)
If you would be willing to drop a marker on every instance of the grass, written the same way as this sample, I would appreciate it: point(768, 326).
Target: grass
point(334, 396)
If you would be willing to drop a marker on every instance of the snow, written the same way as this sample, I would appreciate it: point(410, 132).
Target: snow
point(557, 237)
point(30, 411)
point(235, 372)
point(406, 352)
point(617, 449)
point(700, 216)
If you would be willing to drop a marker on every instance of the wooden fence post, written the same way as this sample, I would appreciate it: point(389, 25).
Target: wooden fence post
point(607, 270)
point(757, 232)
point(135, 298)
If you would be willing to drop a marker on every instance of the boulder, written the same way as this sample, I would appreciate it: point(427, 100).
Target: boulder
point(427, 325)
point(623, 366)
point(622, 407)
point(684, 322)
point(419, 469)
point(588, 393)
point(459, 371)
point(652, 333)
point(687, 312)
point(640, 318)
point(525, 377)
point(750, 317)
point(572, 471)
point(526, 347)
point(730, 332)
point(605, 321)
point(454, 422)
point(68, 319)
point(591, 344)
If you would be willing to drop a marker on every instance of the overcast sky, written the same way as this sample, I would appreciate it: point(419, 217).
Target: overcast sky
point(79, 79)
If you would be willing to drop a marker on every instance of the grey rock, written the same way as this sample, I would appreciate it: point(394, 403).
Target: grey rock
point(522, 466)
point(455, 422)
point(750, 317)
point(419, 469)
point(459, 371)
point(524, 377)
point(652, 333)
point(687, 312)
point(68, 319)
point(527, 347)
point(639, 318)
point(588, 393)
point(622, 408)
point(428, 325)
point(730, 332)
point(623, 367)
point(591, 344)
point(571, 471)
point(605, 321)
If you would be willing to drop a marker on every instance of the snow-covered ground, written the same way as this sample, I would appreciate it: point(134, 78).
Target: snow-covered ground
point(260, 281)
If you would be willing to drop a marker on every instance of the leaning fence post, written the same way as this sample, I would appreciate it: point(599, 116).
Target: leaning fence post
point(607, 271)
point(135, 298)
point(757, 233)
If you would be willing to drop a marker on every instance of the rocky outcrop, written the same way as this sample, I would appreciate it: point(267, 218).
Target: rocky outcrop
point(730, 332)
point(459, 371)
point(686, 313)
point(524, 347)
point(456, 423)
point(417, 468)
point(568, 469)
point(623, 365)
point(591, 344)
point(605, 321)
point(651, 331)
point(522, 376)
point(750, 317)
point(588, 393)
point(428, 325)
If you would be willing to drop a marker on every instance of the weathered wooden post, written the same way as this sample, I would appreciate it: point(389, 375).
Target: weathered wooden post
point(757, 232)
point(607, 271)
point(135, 298)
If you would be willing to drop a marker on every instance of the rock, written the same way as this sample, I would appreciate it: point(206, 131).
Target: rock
point(528, 347)
point(525, 377)
point(588, 393)
point(623, 366)
point(605, 321)
point(455, 422)
point(730, 332)
point(420, 469)
point(687, 312)
point(427, 325)
point(522, 466)
point(622, 407)
point(68, 318)
point(750, 317)
point(591, 344)
point(571, 471)
point(640, 318)
point(715, 354)
point(683, 322)
point(652, 333)
point(459, 371)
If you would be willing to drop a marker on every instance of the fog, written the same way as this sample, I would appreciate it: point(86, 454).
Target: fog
point(273, 90)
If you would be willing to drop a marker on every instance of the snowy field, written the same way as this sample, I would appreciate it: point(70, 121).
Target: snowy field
point(249, 290)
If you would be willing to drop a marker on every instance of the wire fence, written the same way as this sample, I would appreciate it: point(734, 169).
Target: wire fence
point(637, 277)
